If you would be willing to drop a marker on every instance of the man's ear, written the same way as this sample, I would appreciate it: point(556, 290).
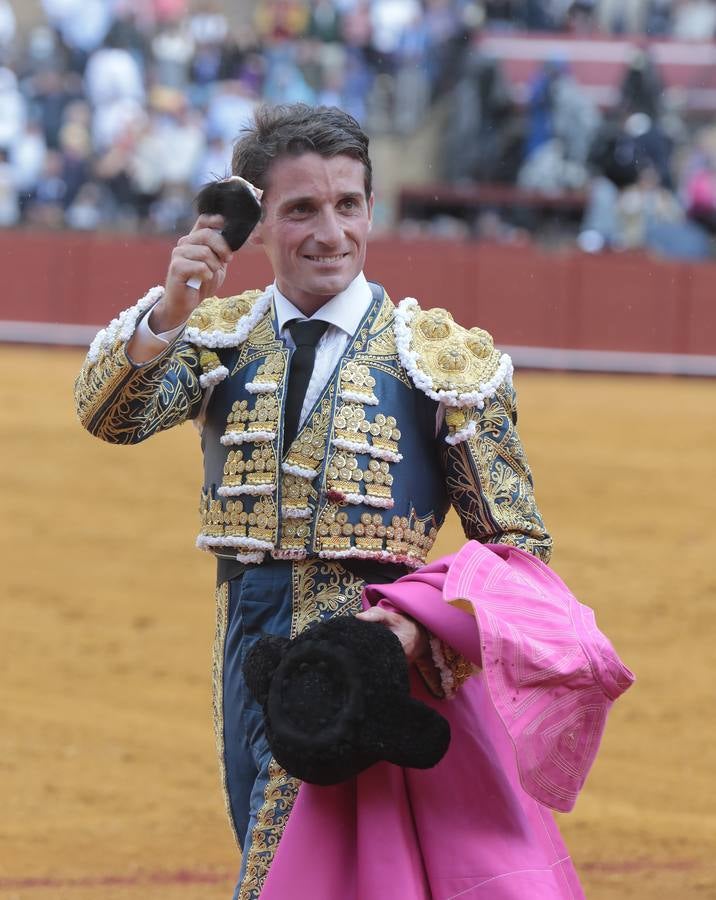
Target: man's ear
point(371, 204)
point(256, 236)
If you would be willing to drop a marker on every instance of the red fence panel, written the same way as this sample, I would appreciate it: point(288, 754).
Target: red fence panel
point(620, 303)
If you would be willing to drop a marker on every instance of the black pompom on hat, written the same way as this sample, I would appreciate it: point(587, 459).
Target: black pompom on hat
point(236, 200)
point(336, 700)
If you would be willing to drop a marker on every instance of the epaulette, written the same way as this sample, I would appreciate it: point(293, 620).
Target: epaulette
point(451, 364)
point(226, 321)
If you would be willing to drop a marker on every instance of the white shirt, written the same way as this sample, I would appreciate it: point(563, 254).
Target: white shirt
point(344, 313)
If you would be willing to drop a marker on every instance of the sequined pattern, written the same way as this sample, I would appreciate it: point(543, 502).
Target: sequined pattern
point(125, 404)
point(490, 483)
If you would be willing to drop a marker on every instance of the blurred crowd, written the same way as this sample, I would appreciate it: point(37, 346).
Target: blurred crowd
point(682, 19)
point(114, 112)
point(646, 174)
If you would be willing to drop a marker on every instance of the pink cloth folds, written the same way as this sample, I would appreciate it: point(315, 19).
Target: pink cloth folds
point(525, 731)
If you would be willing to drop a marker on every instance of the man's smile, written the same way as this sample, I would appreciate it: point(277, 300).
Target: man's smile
point(326, 259)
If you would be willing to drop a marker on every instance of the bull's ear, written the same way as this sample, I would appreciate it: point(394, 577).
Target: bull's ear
point(414, 735)
point(237, 202)
point(260, 664)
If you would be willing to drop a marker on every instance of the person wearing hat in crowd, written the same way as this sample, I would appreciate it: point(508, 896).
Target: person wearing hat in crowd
point(337, 429)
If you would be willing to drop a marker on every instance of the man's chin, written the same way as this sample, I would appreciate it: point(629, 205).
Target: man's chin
point(330, 285)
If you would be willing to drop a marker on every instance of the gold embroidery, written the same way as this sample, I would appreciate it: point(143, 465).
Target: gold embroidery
point(235, 519)
point(217, 684)
point(461, 668)
point(298, 494)
point(490, 483)
point(279, 797)
point(263, 334)
point(356, 378)
point(258, 469)
point(383, 432)
point(385, 315)
point(222, 313)
point(383, 344)
point(234, 469)
point(405, 539)
point(124, 404)
point(208, 360)
point(263, 520)
point(411, 537)
point(270, 372)
point(322, 590)
point(454, 358)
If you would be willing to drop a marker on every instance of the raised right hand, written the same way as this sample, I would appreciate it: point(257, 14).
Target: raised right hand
point(202, 254)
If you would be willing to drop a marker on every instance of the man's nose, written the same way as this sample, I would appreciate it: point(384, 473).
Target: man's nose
point(328, 228)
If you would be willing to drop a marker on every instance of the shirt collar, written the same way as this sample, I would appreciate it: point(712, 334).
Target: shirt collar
point(345, 310)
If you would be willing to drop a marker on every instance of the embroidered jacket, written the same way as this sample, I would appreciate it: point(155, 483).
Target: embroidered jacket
point(367, 476)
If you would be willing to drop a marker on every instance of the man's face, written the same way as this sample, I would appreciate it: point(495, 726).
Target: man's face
point(315, 224)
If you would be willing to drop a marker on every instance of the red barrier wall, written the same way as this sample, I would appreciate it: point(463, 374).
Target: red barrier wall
point(524, 296)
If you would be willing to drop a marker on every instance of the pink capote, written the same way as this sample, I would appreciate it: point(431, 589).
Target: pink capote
point(525, 732)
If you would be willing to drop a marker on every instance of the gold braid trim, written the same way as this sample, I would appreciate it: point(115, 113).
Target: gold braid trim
point(279, 796)
point(320, 591)
point(97, 382)
point(445, 671)
point(217, 684)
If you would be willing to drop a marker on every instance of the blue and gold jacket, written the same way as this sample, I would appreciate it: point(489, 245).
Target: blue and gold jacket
point(419, 414)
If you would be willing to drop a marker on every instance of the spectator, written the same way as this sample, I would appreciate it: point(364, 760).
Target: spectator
point(214, 163)
point(324, 22)
point(477, 122)
point(113, 75)
point(7, 25)
point(13, 110)
point(231, 105)
point(285, 83)
point(27, 157)
point(82, 25)
point(700, 181)
point(46, 203)
point(172, 50)
point(659, 18)
point(126, 33)
point(51, 91)
point(115, 88)
point(695, 20)
point(644, 215)
point(562, 124)
point(642, 88)
point(75, 146)
point(9, 204)
point(85, 213)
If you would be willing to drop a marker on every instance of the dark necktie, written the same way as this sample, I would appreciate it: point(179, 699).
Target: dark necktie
point(306, 333)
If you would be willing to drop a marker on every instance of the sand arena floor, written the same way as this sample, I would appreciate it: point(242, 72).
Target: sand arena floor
point(108, 782)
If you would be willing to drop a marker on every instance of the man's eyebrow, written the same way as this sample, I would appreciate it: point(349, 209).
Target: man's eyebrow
point(295, 201)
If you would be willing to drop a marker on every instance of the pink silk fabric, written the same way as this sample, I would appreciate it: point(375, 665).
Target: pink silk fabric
point(525, 731)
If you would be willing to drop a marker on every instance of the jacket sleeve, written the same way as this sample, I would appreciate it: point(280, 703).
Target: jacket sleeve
point(124, 403)
point(488, 479)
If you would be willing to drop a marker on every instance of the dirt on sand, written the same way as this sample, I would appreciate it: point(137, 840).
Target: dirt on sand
point(108, 778)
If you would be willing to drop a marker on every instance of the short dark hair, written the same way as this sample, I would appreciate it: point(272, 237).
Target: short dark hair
point(293, 129)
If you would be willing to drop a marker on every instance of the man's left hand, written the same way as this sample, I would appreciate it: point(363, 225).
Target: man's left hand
point(412, 636)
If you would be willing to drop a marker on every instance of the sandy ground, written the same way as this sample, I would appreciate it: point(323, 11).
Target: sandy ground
point(108, 782)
